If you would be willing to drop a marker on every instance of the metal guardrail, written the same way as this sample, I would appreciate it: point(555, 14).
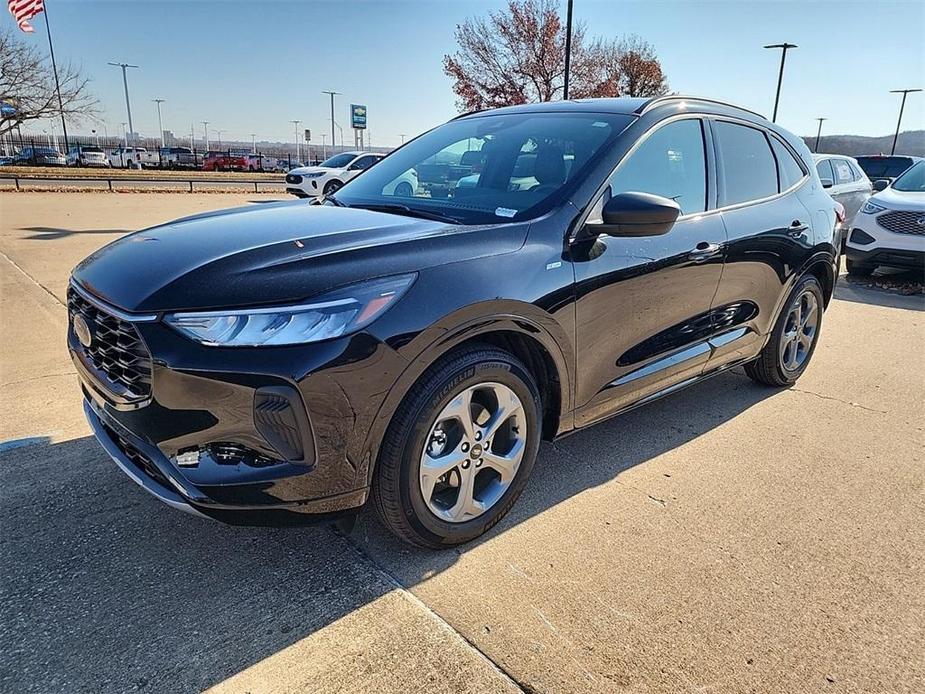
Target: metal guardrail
point(191, 182)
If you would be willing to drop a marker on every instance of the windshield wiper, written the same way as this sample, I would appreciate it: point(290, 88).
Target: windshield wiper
point(395, 208)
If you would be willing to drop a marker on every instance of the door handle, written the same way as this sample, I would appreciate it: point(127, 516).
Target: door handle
point(797, 228)
point(704, 250)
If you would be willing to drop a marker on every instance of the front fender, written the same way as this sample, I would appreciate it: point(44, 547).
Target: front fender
point(464, 325)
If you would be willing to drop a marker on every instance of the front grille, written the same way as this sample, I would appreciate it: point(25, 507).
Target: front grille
point(293, 178)
point(903, 222)
point(116, 352)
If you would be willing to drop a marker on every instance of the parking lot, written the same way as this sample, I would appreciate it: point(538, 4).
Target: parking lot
point(728, 538)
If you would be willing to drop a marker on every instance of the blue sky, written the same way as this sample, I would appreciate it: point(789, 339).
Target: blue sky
point(254, 66)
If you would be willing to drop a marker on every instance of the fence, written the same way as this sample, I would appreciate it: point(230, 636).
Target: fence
point(114, 184)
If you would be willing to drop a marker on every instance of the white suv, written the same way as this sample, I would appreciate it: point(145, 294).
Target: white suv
point(330, 175)
point(890, 228)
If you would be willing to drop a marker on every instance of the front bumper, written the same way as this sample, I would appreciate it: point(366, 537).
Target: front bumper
point(202, 441)
point(870, 243)
point(887, 256)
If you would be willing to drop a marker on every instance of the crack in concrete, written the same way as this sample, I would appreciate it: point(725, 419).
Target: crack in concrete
point(32, 279)
point(839, 400)
point(36, 378)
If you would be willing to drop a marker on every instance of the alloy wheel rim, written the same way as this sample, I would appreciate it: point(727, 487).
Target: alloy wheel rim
point(799, 331)
point(473, 452)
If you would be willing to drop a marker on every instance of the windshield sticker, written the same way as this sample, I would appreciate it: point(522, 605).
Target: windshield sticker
point(505, 212)
point(599, 124)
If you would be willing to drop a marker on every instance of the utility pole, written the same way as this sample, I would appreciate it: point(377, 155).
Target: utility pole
point(128, 105)
point(253, 143)
point(333, 139)
point(298, 146)
point(160, 125)
point(818, 133)
point(902, 106)
point(568, 48)
point(205, 134)
point(780, 78)
point(402, 138)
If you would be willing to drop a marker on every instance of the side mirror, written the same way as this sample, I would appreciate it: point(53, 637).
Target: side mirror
point(637, 214)
point(827, 182)
point(881, 184)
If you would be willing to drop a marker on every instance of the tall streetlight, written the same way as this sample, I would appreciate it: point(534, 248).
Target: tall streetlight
point(253, 143)
point(568, 48)
point(402, 138)
point(220, 137)
point(902, 106)
point(128, 105)
point(333, 140)
point(160, 125)
point(205, 133)
point(818, 133)
point(324, 146)
point(780, 78)
point(298, 146)
point(124, 135)
point(341, 131)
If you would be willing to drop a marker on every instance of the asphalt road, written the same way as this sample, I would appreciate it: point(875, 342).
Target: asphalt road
point(729, 538)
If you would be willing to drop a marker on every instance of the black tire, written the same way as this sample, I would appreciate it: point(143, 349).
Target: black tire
point(396, 490)
point(332, 187)
point(403, 190)
point(768, 369)
point(858, 269)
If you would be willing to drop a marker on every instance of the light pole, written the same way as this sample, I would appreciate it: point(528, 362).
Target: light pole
point(402, 138)
point(780, 78)
point(818, 133)
point(341, 131)
point(205, 134)
point(124, 136)
point(220, 137)
point(128, 105)
point(253, 143)
point(902, 106)
point(568, 48)
point(298, 146)
point(324, 146)
point(333, 140)
point(160, 125)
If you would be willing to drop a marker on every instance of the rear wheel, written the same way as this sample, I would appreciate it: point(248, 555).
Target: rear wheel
point(858, 269)
point(459, 450)
point(793, 341)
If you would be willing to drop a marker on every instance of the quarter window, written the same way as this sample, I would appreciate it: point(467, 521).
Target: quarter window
point(670, 163)
point(824, 168)
point(749, 169)
point(788, 169)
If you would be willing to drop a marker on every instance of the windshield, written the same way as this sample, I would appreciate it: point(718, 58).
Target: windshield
point(92, 150)
point(338, 161)
point(884, 167)
point(491, 168)
point(913, 181)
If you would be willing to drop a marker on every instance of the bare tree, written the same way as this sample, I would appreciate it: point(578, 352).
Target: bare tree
point(517, 56)
point(27, 85)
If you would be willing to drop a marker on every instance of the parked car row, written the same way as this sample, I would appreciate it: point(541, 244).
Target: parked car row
point(129, 157)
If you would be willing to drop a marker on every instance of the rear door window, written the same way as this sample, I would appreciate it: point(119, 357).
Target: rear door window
point(842, 171)
point(749, 168)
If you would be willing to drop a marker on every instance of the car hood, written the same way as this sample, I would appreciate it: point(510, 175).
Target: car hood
point(900, 200)
point(302, 170)
point(275, 253)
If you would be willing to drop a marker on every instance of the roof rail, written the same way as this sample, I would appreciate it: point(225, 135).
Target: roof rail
point(659, 100)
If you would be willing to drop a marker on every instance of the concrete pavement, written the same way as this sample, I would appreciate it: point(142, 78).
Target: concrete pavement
point(729, 538)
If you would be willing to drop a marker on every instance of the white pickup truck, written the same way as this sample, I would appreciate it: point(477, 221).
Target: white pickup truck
point(127, 157)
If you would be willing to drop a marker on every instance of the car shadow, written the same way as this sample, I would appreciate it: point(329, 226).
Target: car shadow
point(886, 287)
point(53, 233)
point(105, 589)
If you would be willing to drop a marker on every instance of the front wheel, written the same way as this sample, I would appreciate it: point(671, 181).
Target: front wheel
point(793, 341)
point(332, 187)
point(459, 449)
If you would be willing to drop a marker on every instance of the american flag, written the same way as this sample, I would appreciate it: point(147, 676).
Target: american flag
point(24, 10)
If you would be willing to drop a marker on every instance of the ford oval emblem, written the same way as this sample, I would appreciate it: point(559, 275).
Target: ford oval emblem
point(82, 331)
point(920, 221)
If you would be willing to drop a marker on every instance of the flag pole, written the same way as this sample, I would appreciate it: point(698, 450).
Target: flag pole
point(54, 68)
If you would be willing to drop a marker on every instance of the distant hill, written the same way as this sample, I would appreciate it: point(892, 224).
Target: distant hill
point(909, 142)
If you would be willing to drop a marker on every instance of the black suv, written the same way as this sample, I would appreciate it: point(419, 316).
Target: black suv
point(288, 361)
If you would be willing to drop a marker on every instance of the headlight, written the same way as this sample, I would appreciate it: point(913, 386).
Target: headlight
point(314, 174)
point(334, 314)
point(871, 207)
